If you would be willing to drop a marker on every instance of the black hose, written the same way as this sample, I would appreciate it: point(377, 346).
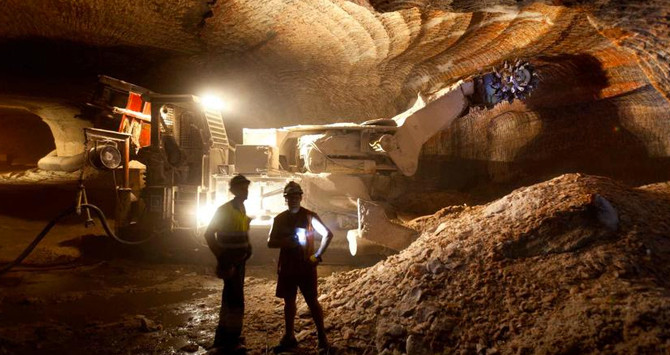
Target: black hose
point(103, 220)
point(37, 239)
point(63, 266)
point(66, 212)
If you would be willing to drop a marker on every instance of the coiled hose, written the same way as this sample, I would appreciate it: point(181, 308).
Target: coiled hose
point(98, 212)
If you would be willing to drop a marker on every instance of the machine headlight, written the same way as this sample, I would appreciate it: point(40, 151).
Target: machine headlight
point(205, 213)
point(352, 239)
point(214, 103)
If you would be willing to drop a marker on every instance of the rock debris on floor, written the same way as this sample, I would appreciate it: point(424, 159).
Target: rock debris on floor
point(549, 268)
point(576, 264)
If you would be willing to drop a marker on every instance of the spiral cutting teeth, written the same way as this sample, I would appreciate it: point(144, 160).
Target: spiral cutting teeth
point(514, 81)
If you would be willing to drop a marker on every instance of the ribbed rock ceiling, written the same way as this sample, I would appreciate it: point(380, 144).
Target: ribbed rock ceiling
point(604, 64)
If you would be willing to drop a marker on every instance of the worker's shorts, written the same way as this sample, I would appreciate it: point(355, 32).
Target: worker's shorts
point(289, 283)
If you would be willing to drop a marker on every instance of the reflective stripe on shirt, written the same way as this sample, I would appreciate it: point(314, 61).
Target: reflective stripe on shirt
point(231, 227)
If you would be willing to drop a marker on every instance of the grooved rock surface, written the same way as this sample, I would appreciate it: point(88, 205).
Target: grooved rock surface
point(337, 53)
point(602, 105)
point(166, 24)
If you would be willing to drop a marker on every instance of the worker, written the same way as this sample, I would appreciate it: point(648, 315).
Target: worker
point(228, 238)
point(293, 232)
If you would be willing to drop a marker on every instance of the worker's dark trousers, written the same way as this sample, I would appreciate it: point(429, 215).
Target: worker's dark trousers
point(232, 310)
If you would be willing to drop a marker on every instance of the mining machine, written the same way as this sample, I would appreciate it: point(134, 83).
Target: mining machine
point(175, 158)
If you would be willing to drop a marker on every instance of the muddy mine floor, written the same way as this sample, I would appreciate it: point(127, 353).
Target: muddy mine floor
point(576, 264)
point(81, 293)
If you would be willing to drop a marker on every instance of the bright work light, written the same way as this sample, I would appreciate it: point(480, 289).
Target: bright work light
point(215, 103)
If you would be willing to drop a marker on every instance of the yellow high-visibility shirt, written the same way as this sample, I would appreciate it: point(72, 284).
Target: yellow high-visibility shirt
point(231, 226)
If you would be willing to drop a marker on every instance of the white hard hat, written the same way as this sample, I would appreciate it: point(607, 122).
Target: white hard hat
point(292, 188)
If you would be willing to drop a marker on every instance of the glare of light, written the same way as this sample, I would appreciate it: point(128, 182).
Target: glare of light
point(260, 136)
point(302, 236)
point(262, 210)
point(320, 228)
point(205, 213)
point(214, 103)
point(352, 238)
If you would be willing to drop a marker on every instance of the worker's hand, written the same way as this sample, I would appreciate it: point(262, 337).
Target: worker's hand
point(248, 253)
point(315, 260)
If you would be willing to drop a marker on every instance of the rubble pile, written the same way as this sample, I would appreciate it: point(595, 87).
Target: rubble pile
point(571, 265)
point(425, 203)
point(37, 175)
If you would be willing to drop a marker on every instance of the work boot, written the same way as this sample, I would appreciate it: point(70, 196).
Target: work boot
point(226, 343)
point(286, 344)
point(323, 348)
point(237, 350)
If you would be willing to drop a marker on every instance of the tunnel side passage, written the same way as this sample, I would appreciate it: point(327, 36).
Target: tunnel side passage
point(24, 140)
point(43, 133)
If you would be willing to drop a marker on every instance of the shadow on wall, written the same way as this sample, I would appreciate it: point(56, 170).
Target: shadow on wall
point(24, 139)
point(581, 133)
point(566, 126)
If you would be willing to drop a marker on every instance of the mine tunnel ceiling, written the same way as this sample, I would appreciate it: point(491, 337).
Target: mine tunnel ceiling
point(603, 64)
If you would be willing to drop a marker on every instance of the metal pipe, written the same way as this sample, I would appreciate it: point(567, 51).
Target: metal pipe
point(133, 114)
point(155, 128)
point(126, 164)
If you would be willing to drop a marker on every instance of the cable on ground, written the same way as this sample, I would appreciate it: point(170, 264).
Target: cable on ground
point(97, 211)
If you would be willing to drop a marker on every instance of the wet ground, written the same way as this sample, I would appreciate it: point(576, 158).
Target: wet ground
point(574, 265)
point(81, 292)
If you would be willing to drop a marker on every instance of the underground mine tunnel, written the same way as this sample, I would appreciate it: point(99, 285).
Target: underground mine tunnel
point(494, 173)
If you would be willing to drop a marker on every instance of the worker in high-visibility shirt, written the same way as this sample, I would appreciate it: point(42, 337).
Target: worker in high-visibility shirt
point(228, 237)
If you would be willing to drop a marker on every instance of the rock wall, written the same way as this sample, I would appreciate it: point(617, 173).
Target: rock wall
point(588, 116)
point(166, 24)
point(603, 64)
point(66, 128)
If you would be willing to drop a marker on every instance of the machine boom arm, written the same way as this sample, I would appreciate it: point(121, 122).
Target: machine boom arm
point(405, 145)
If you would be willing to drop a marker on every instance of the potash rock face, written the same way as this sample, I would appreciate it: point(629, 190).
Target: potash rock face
point(602, 106)
point(575, 264)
